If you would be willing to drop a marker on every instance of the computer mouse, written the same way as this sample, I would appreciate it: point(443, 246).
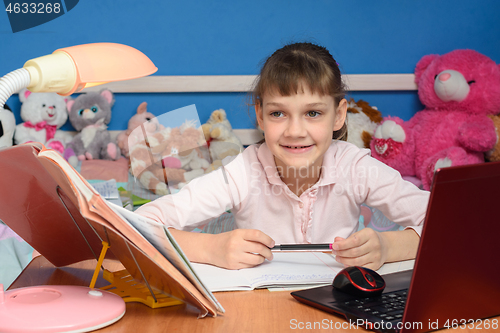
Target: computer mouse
point(359, 281)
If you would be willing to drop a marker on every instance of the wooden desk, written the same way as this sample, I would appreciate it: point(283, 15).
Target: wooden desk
point(246, 311)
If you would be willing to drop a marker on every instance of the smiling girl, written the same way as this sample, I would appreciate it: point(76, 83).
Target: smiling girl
point(303, 184)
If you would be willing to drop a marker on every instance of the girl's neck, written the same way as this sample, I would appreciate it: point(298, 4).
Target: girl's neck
point(300, 179)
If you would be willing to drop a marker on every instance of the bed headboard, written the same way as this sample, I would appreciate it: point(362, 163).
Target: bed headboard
point(243, 83)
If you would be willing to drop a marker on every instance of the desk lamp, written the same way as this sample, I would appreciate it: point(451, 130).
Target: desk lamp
point(67, 70)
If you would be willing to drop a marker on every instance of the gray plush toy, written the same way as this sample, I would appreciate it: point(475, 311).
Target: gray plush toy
point(89, 114)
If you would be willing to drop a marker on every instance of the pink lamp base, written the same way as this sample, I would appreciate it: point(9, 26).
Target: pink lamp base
point(58, 309)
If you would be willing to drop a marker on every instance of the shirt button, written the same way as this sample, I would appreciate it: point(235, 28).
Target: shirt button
point(301, 204)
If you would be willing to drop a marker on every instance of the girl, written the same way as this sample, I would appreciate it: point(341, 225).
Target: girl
point(299, 185)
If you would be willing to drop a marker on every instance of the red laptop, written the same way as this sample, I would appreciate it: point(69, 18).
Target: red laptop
point(456, 278)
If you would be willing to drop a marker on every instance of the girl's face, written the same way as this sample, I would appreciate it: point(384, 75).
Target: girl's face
point(298, 129)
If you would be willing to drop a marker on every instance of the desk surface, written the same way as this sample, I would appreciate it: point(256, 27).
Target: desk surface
point(246, 311)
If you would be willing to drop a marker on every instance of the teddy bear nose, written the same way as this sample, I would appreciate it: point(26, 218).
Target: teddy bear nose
point(444, 77)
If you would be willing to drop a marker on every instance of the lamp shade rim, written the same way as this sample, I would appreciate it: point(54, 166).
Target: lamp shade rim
point(108, 62)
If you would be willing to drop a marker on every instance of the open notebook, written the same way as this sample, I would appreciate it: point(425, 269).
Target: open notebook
point(289, 270)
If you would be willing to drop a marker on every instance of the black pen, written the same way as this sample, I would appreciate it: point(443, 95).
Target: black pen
point(303, 248)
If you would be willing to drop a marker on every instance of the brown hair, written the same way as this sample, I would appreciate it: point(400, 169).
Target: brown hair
point(301, 63)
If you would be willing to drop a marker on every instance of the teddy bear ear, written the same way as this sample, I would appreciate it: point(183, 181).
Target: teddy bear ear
point(142, 108)
point(69, 105)
point(108, 95)
point(422, 65)
point(24, 94)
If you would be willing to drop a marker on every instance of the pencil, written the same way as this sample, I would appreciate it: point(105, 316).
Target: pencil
point(302, 248)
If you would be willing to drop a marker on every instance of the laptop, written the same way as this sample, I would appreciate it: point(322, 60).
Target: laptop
point(456, 278)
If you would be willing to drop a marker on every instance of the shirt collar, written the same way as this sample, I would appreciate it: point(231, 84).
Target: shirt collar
point(328, 171)
point(266, 158)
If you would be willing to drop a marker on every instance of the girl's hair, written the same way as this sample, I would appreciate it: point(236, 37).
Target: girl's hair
point(301, 63)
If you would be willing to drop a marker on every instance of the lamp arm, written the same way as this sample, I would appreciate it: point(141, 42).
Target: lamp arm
point(13, 82)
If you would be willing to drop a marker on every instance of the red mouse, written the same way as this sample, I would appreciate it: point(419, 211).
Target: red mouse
point(359, 281)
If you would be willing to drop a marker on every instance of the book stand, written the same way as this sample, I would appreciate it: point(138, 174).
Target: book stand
point(122, 283)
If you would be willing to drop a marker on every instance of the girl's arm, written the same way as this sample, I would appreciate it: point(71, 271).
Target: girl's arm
point(382, 187)
point(240, 248)
point(204, 198)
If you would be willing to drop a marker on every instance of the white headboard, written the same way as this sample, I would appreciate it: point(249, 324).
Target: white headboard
point(244, 83)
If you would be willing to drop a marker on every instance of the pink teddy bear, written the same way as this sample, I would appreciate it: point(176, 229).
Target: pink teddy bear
point(459, 90)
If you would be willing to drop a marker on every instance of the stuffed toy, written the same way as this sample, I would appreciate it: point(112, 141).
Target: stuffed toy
point(7, 126)
point(362, 120)
point(220, 138)
point(494, 154)
point(89, 114)
point(43, 114)
point(168, 157)
point(459, 90)
point(142, 117)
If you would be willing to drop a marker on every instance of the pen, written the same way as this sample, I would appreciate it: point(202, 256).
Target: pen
point(303, 248)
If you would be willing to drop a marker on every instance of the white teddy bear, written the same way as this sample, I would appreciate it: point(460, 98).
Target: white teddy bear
point(43, 115)
point(7, 126)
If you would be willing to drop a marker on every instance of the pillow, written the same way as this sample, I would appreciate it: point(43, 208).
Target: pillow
point(105, 170)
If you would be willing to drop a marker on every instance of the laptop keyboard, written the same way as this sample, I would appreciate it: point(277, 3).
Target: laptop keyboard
point(388, 307)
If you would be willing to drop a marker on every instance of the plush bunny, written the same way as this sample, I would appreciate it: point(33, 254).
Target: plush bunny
point(89, 114)
point(142, 117)
point(43, 115)
point(459, 90)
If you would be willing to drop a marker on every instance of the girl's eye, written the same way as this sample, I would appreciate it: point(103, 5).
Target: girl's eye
point(94, 109)
point(43, 105)
point(313, 114)
point(80, 112)
point(276, 114)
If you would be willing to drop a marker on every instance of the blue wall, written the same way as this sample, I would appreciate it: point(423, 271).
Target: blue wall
point(230, 38)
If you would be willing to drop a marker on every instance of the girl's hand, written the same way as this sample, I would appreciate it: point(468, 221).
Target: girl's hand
point(366, 248)
point(240, 248)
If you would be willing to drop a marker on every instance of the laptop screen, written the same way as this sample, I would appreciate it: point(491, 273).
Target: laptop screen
point(456, 272)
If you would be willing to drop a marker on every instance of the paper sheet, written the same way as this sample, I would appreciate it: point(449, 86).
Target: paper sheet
point(109, 191)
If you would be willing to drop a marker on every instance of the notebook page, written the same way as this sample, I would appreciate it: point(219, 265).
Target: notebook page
point(221, 279)
point(294, 268)
point(286, 269)
point(394, 267)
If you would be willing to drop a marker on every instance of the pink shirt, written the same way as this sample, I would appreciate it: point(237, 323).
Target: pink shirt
point(251, 187)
